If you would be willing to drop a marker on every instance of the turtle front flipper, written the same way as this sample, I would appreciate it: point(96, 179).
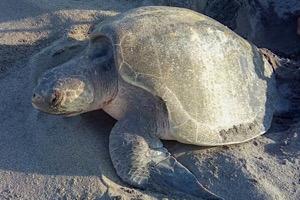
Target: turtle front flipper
point(141, 161)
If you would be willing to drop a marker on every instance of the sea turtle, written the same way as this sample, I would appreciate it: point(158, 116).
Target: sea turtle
point(164, 73)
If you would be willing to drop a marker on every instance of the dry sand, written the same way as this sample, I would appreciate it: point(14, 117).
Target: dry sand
point(50, 157)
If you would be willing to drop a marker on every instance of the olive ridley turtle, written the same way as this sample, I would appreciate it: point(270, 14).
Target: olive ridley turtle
point(163, 73)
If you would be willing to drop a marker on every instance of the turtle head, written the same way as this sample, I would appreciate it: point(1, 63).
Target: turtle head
point(85, 83)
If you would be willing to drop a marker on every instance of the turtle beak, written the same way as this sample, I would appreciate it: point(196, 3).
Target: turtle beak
point(44, 102)
point(36, 100)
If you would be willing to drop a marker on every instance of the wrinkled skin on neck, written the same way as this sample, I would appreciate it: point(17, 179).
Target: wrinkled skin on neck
point(85, 83)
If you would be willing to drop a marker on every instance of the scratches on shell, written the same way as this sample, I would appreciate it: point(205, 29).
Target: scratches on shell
point(189, 123)
point(176, 105)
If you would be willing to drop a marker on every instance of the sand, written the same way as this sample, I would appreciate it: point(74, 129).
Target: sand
point(51, 157)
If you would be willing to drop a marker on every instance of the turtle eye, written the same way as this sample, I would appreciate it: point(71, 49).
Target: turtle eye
point(55, 98)
point(98, 53)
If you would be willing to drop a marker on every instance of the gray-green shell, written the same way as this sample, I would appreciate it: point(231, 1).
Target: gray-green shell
point(217, 87)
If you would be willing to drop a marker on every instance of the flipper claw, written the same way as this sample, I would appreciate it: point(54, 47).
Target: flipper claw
point(170, 175)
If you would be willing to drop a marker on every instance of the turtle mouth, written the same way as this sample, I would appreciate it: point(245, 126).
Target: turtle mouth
point(54, 109)
point(35, 106)
point(61, 112)
point(58, 113)
point(71, 114)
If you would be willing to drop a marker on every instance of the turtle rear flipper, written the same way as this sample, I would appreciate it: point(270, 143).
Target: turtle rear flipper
point(141, 160)
point(287, 72)
point(284, 68)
